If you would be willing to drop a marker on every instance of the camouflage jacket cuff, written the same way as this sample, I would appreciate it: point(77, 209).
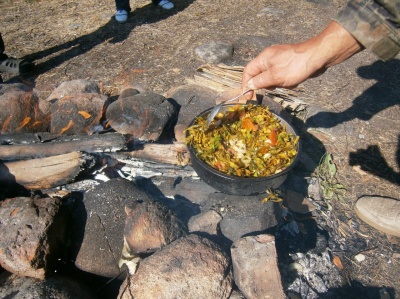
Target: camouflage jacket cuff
point(373, 26)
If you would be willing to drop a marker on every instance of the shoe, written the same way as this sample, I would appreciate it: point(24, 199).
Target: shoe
point(121, 16)
point(166, 4)
point(15, 66)
point(380, 212)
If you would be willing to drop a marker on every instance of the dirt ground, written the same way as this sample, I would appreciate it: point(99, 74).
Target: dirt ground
point(155, 49)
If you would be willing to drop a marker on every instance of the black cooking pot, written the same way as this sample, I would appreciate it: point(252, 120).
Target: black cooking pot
point(236, 185)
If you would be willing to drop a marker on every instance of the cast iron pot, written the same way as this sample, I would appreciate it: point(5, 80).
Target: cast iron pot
point(236, 185)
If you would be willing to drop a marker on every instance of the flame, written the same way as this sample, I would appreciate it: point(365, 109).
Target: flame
point(6, 124)
point(24, 123)
point(84, 114)
point(36, 110)
point(67, 127)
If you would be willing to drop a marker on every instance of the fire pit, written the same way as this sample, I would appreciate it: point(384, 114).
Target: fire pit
point(239, 185)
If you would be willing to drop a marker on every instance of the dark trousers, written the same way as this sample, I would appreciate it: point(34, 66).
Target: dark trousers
point(124, 4)
point(2, 48)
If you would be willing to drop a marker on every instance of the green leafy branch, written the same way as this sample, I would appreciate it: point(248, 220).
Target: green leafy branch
point(326, 174)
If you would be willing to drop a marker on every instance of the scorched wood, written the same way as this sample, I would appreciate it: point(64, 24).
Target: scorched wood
point(44, 173)
point(171, 160)
point(110, 142)
point(177, 154)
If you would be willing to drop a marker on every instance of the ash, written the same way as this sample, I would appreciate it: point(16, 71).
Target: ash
point(305, 258)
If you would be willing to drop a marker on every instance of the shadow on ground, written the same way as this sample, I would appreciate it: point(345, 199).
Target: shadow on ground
point(111, 32)
point(384, 94)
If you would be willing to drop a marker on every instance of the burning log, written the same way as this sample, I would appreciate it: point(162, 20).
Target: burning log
point(171, 160)
point(44, 173)
point(176, 154)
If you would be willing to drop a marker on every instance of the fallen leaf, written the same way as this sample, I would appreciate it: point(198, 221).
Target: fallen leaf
point(337, 262)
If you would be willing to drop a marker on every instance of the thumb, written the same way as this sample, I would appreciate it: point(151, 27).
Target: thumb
point(260, 81)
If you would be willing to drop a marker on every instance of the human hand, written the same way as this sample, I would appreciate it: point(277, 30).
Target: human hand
point(279, 66)
point(290, 64)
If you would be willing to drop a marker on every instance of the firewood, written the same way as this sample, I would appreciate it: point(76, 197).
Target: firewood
point(44, 173)
point(177, 154)
point(152, 160)
point(110, 142)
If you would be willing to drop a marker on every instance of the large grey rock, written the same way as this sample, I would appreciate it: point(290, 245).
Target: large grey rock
point(215, 52)
point(143, 116)
point(57, 287)
point(193, 189)
point(150, 226)
point(192, 99)
point(20, 110)
point(32, 235)
point(6, 88)
point(99, 225)
point(242, 215)
point(206, 222)
point(79, 113)
point(69, 88)
point(249, 46)
point(190, 267)
point(255, 267)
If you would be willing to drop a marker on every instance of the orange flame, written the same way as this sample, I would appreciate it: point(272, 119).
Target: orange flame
point(6, 124)
point(24, 123)
point(67, 127)
point(36, 110)
point(84, 114)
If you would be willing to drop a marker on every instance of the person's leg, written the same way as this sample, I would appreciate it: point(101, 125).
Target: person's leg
point(123, 5)
point(2, 48)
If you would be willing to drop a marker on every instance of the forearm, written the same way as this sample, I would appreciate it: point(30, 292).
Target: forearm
point(289, 65)
point(333, 46)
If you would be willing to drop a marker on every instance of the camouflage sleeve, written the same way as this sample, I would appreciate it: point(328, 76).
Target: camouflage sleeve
point(375, 24)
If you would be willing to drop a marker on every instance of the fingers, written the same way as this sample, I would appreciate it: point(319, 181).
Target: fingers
point(277, 66)
point(252, 70)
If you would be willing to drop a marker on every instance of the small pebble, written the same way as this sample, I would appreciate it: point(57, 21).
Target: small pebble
point(359, 257)
point(295, 267)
